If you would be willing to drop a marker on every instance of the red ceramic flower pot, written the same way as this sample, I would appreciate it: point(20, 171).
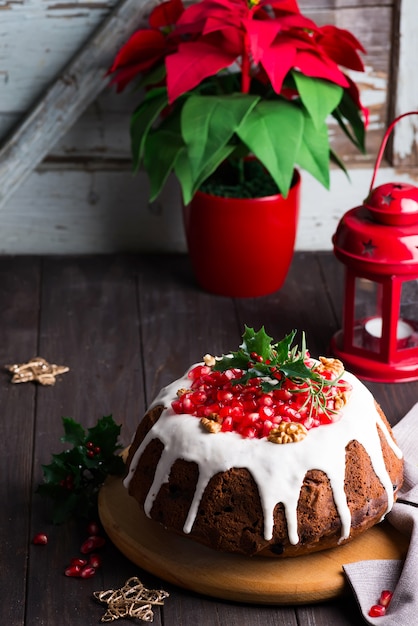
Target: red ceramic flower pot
point(242, 247)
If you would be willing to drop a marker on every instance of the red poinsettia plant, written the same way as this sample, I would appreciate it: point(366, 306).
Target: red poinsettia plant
point(225, 79)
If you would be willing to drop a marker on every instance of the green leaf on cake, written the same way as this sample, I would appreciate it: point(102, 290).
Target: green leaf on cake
point(259, 356)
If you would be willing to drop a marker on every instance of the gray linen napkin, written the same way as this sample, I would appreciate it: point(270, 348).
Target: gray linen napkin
point(369, 578)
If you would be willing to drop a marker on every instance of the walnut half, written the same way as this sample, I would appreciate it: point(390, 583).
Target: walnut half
point(287, 432)
point(211, 425)
point(331, 365)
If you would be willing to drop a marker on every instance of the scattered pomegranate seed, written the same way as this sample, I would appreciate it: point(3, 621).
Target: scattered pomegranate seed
point(377, 610)
point(91, 544)
point(40, 539)
point(73, 571)
point(95, 561)
point(87, 572)
point(78, 562)
point(385, 597)
point(93, 528)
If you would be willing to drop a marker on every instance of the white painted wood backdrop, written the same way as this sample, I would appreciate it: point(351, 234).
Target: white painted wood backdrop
point(83, 198)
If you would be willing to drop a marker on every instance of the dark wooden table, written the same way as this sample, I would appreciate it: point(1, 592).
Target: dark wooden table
point(127, 326)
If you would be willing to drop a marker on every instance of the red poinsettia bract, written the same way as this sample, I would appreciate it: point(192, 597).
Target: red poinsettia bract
point(230, 78)
point(209, 36)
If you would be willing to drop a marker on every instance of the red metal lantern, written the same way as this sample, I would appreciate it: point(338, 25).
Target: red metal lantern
point(378, 244)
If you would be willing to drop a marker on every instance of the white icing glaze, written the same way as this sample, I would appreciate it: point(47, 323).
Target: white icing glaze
point(278, 470)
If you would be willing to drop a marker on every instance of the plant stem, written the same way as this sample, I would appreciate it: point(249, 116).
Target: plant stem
point(245, 67)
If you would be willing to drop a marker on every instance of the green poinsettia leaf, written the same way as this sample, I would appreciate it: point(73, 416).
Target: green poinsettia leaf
point(350, 121)
point(209, 122)
point(273, 132)
point(336, 159)
point(319, 97)
point(143, 119)
point(162, 149)
point(154, 76)
point(314, 151)
point(182, 170)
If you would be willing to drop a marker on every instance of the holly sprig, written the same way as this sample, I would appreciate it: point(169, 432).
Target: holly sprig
point(73, 478)
point(259, 356)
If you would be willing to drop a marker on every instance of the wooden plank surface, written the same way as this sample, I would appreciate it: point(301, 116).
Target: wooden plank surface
point(19, 298)
point(127, 325)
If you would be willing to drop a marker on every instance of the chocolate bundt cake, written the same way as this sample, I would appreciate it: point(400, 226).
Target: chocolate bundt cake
point(265, 451)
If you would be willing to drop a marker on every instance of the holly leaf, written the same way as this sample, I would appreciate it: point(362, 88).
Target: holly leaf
point(259, 356)
point(258, 342)
point(73, 432)
point(73, 478)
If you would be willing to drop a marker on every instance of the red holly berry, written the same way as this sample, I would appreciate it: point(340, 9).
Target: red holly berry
point(40, 539)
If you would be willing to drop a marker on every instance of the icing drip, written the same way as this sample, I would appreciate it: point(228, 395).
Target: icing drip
point(278, 470)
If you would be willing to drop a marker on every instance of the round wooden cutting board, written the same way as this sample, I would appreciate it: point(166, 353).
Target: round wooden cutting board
point(185, 563)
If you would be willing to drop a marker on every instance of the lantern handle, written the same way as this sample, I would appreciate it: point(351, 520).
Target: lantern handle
point(384, 142)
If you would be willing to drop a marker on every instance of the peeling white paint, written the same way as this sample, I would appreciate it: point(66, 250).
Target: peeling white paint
point(68, 210)
point(80, 212)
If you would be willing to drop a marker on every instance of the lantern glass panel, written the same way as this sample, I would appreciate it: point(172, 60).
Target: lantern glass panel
point(367, 314)
point(408, 318)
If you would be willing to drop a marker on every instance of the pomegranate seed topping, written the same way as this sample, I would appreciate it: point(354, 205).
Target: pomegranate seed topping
point(198, 397)
point(91, 544)
point(87, 572)
point(377, 610)
point(40, 539)
point(247, 408)
point(224, 395)
point(385, 597)
point(266, 400)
